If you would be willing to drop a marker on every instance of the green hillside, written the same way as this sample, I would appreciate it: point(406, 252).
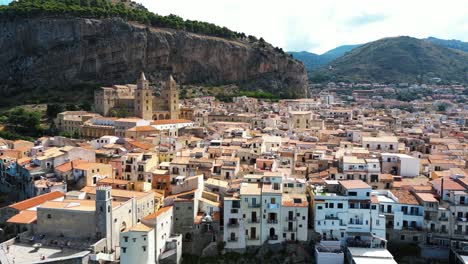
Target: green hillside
point(395, 60)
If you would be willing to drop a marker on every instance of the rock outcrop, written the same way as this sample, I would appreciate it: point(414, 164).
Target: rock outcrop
point(55, 52)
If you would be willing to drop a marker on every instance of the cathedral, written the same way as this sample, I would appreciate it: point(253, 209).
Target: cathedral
point(138, 100)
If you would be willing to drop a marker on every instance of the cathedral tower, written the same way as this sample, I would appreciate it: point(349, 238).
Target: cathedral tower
point(103, 215)
point(143, 106)
point(173, 98)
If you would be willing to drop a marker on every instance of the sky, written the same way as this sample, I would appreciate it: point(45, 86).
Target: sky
point(321, 25)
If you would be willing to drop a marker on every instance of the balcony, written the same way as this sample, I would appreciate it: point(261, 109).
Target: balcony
point(233, 225)
point(253, 238)
point(293, 218)
point(232, 239)
point(273, 206)
point(330, 217)
point(411, 228)
point(272, 221)
point(253, 220)
point(273, 238)
point(443, 218)
point(462, 219)
point(254, 205)
point(290, 229)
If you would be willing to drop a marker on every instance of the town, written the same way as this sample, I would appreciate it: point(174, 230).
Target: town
point(345, 175)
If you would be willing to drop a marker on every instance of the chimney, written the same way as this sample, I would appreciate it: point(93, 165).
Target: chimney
point(442, 188)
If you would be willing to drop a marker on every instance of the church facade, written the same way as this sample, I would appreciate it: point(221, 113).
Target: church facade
point(138, 100)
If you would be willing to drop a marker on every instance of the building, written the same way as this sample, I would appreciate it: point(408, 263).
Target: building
point(138, 100)
point(270, 210)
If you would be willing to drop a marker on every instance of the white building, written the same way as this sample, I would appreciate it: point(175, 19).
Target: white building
point(400, 164)
point(272, 209)
point(234, 234)
point(137, 245)
point(344, 211)
point(102, 141)
point(384, 143)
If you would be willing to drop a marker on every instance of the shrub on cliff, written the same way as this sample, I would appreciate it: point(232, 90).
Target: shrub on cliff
point(106, 9)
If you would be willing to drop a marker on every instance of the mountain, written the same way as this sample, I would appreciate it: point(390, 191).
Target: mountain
point(452, 43)
point(47, 54)
point(314, 61)
point(398, 59)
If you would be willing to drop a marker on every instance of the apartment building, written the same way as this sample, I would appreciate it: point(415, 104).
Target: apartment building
point(272, 209)
point(346, 212)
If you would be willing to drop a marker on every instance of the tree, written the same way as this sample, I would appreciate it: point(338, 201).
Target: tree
point(85, 105)
point(23, 121)
point(53, 110)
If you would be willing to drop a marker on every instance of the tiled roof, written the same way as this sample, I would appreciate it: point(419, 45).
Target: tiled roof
point(35, 201)
point(170, 121)
point(354, 184)
point(24, 217)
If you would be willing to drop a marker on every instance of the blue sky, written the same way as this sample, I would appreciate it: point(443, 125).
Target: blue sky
point(318, 25)
point(4, 2)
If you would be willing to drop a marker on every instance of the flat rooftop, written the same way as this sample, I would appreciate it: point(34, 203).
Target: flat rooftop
point(20, 253)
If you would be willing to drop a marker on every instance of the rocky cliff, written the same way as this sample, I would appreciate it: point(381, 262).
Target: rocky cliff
point(58, 52)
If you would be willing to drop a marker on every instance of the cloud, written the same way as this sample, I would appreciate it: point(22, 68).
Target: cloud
point(365, 19)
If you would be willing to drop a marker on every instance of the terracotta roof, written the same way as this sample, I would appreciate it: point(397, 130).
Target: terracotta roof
point(354, 184)
point(118, 193)
point(141, 145)
point(448, 184)
point(426, 197)
point(35, 201)
point(170, 121)
point(142, 129)
point(24, 217)
point(68, 166)
point(140, 228)
point(405, 197)
point(157, 213)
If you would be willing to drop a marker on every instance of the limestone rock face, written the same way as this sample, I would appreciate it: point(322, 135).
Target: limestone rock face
point(53, 52)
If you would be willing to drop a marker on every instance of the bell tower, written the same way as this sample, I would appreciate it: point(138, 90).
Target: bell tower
point(143, 104)
point(103, 215)
point(173, 98)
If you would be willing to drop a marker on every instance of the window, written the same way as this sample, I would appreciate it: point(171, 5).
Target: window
point(49, 216)
point(124, 250)
point(144, 248)
point(126, 238)
point(402, 237)
point(340, 205)
point(319, 207)
point(332, 205)
point(352, 193)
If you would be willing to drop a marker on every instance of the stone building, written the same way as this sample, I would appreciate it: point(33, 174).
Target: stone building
point(139, 100)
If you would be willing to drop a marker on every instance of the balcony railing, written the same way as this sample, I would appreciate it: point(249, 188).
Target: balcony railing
point(289, 218)
point(254, 205)
point(274, 237)
point(232, 239)
point(272, 221)
point(253, 238)
point(460, 232)
point(254, 220)
point(292, 229)
point(411, 228)
point(233, 225)
point(329, 217)
point(443, 218)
